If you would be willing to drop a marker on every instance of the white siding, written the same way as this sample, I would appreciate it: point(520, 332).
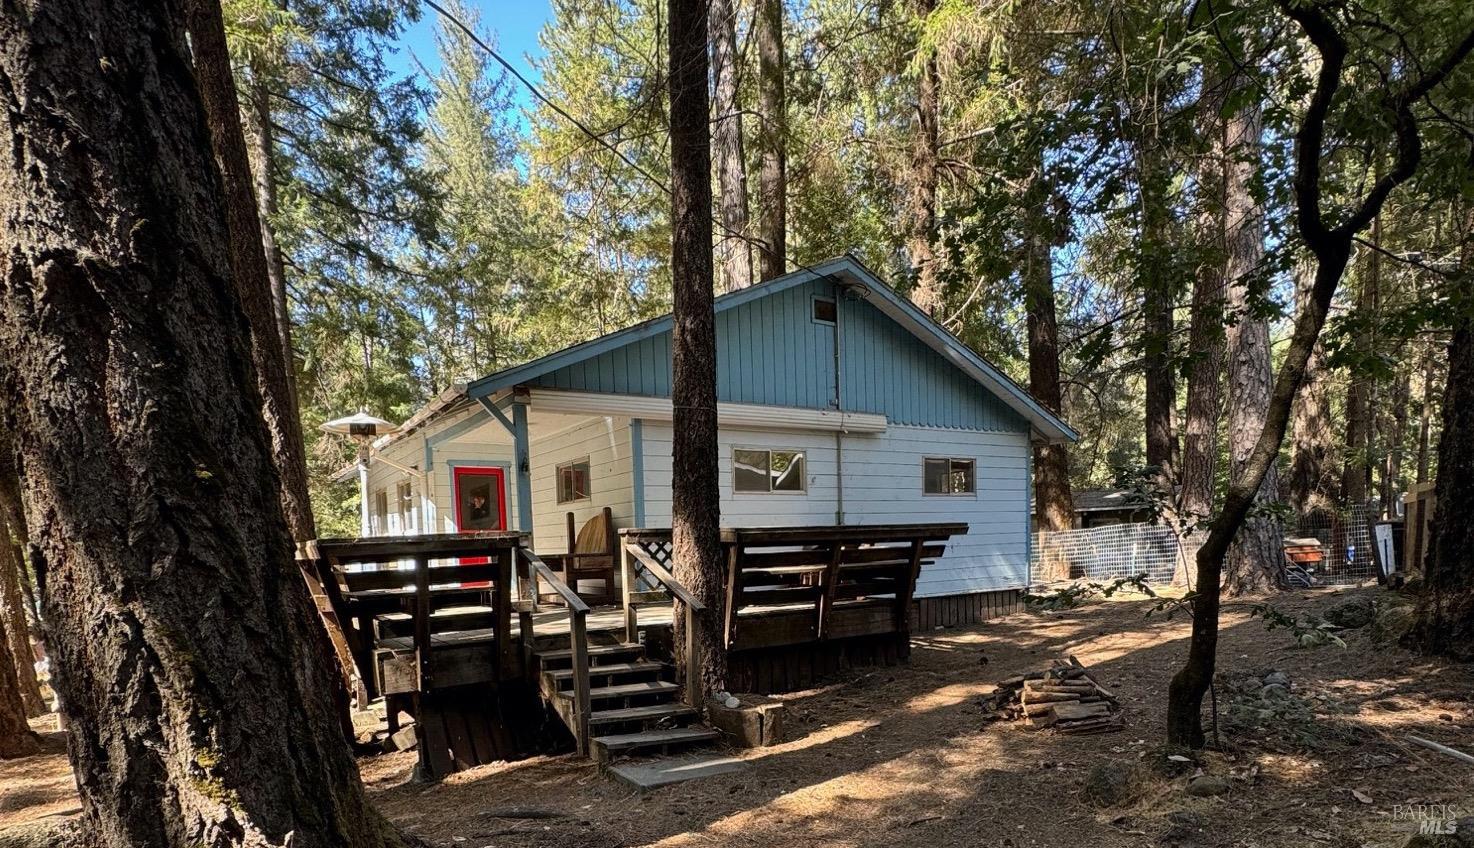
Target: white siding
point(882, 475)
point(882, 484)
point(818, 505)
point(605, 442)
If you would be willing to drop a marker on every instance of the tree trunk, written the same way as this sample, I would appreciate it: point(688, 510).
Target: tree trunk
point(261, 143)
point(1054, 504)
point(1258, 551)
point(16, 737)
point(1204, 365)
point(695, 497)
point(1356, 475)
point(1159, 296)
point(17, 628)
point(248, 261)
point(1425, 414)
point(1445, 617)
point(772, 135)
point(1394, 433)
point(270, 349)
point(921, 200)
point(193, 678)
point(1311, 439)
point(733, 248)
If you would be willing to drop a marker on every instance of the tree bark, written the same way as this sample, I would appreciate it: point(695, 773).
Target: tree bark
point(1394, 436)
point(193, 678)
point(1159, 296)
point(1425, 414)
point(1310, 485)
point(270, 349)
point(695, 497)
point(772, 137)
point(16, 737)
point(1332, 249)
point(13, 618)
point(1258, 551)
point(921, 200)
point(1445, 616)
point(1054, 503)
point(1356, 475)
point(733, 249)
point(261, 143)
point(1205, 362)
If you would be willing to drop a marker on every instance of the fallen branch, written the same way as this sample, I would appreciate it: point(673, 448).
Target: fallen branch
point(1442, 749)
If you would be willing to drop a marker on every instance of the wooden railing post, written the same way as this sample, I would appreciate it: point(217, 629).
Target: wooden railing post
point(627, 579)
point(422, 623)
point(831, 582)
point(502, 609)
point(578, 634)
point(693, 661)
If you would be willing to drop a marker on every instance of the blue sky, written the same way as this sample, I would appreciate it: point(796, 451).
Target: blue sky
point(514, 23)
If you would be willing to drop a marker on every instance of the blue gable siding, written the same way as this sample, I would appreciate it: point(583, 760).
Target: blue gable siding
point(888, 370)
point(771, 351)
point(768, 352)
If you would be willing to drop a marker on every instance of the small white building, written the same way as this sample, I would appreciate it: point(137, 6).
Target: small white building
point(839, 403)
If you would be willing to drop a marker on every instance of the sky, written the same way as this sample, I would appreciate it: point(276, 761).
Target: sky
point(514, 23)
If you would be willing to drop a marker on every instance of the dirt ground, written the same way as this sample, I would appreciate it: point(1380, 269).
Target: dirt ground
point(902, 756)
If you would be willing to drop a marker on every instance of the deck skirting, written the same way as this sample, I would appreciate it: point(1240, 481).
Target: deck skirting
point(958, 610)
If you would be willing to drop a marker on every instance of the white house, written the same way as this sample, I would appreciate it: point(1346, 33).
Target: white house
point(839, 403)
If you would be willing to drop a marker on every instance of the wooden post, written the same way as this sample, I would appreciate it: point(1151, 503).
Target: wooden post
point(627, 579)
point(831, 578)
point(527, 593)
point(903, 597)
point(502, 610)
point(693, 668)
point(734, 592)
point(579, 635)
point(423, 666)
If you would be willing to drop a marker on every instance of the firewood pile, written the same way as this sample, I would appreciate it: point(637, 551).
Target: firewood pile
point(1064, 697)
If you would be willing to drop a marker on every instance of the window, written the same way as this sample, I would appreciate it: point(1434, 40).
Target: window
point(767, 470)
point(404, 495)
point(380, 523)
point(950, 476)
point(573, 482)
point(825, 311)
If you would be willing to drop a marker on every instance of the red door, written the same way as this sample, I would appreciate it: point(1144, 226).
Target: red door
point(481, 502)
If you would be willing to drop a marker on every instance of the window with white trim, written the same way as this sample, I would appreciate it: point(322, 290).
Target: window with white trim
point(573, 481)
point(404, 497)
point(949, 476)
point(380, 523)
point(759, 470)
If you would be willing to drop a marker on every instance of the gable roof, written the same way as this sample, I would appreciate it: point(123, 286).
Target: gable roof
point(846, 270)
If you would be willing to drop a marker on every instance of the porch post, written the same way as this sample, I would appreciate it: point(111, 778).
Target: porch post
point(522, 454)
point(363, 493)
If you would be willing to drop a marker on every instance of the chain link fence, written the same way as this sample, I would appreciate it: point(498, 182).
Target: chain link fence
point(1105, 553)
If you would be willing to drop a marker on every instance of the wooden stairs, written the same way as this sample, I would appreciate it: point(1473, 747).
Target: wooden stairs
point(635, 707)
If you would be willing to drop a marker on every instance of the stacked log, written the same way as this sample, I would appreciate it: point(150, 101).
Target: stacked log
point(1064, 697)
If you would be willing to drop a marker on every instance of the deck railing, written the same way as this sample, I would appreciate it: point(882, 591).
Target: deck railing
point(531, 573)
point(640, 563)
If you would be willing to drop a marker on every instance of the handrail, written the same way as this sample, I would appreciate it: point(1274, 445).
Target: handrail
point(578, 641)
point(660, 573)
point(630, 554)
point(541, 569)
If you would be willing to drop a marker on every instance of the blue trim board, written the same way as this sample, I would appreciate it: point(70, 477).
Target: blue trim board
point(637, 468)
point(496, 412)
point(522, 455)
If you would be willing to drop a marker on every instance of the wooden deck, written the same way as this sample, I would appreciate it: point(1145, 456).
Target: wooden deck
point(479, 632)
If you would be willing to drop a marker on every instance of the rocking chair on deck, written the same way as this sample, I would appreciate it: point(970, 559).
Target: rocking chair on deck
point(591, 556)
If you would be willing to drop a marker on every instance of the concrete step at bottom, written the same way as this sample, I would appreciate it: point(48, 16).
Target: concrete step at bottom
point(653, 772)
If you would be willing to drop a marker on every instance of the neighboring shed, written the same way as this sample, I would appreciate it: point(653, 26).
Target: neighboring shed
point(1102, 507)
point(839, 403)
